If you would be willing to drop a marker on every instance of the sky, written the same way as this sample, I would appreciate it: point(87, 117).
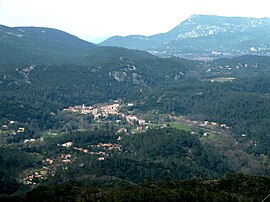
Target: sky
point(96, 19)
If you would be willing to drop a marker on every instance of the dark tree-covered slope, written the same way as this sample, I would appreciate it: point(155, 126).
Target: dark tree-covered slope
point(38, 44)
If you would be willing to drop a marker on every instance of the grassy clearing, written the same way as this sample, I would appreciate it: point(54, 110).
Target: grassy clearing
point(180, 126)
point(210, 137)
point(48, 135)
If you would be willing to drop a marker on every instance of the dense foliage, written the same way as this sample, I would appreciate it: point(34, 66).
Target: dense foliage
point(12, 162)
point(230, 188)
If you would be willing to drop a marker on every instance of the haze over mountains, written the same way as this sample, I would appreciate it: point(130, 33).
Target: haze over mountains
point(199, 37)
point(203, 36)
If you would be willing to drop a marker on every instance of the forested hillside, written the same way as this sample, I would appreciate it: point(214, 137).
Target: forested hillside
point(39, 45)
point(229, 188)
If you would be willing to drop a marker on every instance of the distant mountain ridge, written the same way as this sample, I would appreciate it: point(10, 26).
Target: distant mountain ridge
point(204, 36)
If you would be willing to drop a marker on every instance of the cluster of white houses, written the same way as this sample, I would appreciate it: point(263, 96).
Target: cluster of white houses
point(12, 128)
point(100, 111)
point(213, 124)
point(105, 111)
point(132, 119)
point(36, 176)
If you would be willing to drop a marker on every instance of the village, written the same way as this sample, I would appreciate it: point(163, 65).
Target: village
point(104, 110)
point(130, 122)
point(138, 124)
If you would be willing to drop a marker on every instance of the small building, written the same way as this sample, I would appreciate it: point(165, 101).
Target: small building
point(222, 125)
point(101, 158)
point(67, 144)
point(141, 122)
point(130, 104)
point(122, 130)
point(29, 140)
point(205, 134)
point(4, 127)
point(50, 161)
point(66, 161)
point(20, 130)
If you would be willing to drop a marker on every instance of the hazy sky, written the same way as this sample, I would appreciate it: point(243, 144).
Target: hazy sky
point(91, 19)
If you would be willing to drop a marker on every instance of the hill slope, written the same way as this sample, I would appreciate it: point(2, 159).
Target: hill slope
point(39, 44)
